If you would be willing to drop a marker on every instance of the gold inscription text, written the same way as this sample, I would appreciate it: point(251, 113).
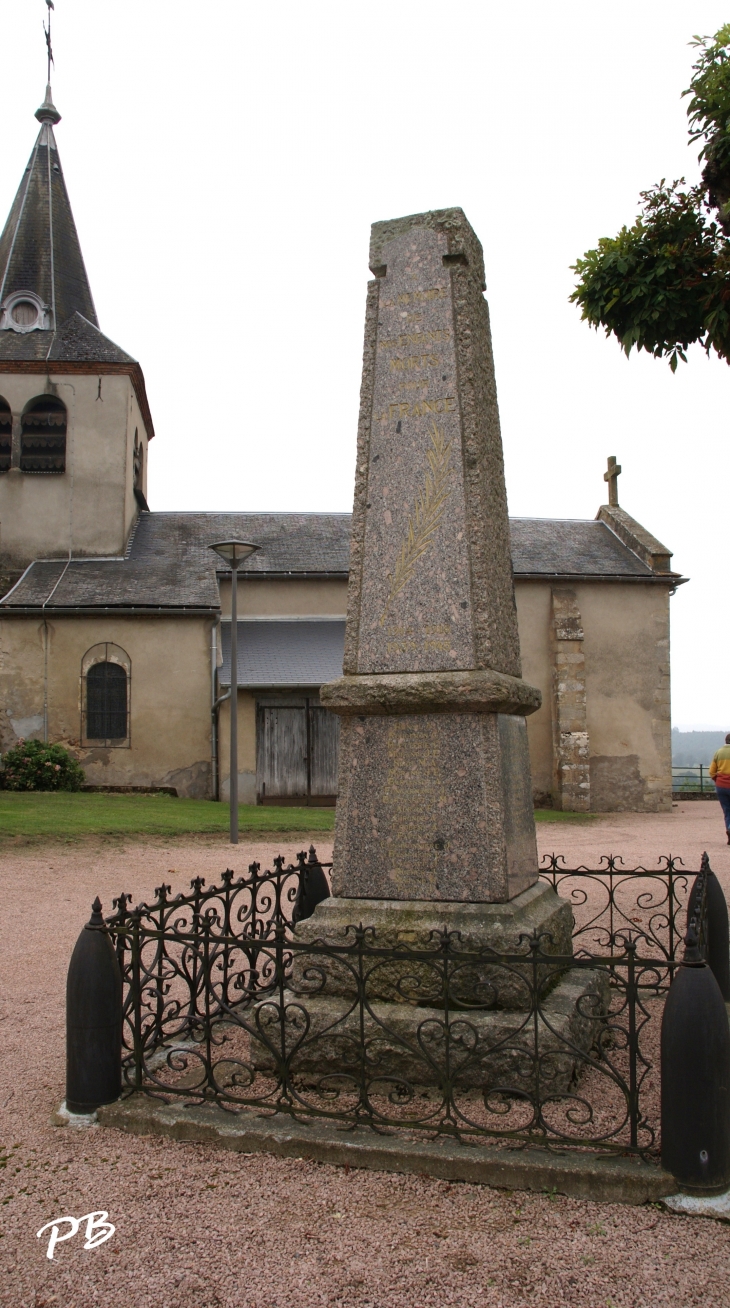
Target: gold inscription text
point(421, 340)
point(414, 361)
point(405, 409)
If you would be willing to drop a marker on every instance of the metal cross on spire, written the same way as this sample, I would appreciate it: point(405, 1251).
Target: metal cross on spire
point(611, 476)
point(47, 31)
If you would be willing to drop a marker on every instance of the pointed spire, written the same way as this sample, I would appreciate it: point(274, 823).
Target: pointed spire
point(41, 263)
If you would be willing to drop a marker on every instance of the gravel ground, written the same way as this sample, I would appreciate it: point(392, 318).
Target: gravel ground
point(201, 1228)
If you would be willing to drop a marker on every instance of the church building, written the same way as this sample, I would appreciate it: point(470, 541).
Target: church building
point(115, 619)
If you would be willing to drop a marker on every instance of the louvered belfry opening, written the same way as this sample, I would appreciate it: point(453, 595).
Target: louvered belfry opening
point(43, 436)
point(106, 702)
point(6, 435)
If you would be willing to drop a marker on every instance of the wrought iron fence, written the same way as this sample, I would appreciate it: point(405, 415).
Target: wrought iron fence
point(224, 1003)
point(611, 899)
point(692, 778)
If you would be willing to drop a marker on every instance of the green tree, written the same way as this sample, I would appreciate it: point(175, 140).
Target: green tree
point(664, 283)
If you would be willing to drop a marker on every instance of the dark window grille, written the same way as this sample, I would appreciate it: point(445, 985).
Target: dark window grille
point(6, 435)
point(106, 702)
point(43, 436)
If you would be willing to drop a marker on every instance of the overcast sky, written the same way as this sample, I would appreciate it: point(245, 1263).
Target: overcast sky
point(225, 162)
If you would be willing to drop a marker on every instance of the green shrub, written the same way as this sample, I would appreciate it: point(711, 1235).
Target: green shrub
point(31, 765)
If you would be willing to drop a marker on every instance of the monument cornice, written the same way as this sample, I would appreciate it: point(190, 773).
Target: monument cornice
point(478, 690)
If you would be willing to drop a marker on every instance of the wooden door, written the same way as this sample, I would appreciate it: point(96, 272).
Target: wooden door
point(296, 751)
point(281, 753)
point(324, 739)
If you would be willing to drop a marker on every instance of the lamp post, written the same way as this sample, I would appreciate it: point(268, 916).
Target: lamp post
point(233, 552)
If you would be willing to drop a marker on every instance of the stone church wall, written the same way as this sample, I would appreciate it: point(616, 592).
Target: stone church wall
point(628, 696)
point(599, 653)
point(169, 695)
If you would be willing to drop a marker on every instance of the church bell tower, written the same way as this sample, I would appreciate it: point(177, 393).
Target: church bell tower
point(74, 419)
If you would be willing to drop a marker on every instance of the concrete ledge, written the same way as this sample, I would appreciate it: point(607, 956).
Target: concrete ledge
point(64, 1117)
point(583, 1176)
point(690, 1205)
point(477, 691)
point(130, 790)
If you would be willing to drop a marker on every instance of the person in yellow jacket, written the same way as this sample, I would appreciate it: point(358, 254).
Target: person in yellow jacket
point(720, 773)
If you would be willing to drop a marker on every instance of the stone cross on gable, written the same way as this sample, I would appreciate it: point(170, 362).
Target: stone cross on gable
point(611, 476)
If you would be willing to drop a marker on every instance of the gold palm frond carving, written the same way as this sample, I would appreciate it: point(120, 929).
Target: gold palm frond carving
point(426, 517)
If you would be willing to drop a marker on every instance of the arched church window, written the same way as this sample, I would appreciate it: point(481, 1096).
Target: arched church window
point(43, 436)
point(105, 698)
point(6, 435)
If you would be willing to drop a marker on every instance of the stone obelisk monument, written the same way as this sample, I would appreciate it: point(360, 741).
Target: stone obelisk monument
point(435, 798)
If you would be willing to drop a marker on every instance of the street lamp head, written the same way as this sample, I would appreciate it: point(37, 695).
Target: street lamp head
point(234, 552)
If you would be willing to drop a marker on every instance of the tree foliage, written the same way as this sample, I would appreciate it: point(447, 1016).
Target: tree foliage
point(664, 283)
point(709, 108)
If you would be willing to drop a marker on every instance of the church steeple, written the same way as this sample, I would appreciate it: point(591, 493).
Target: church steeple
point(74, 418)
point(43, 280)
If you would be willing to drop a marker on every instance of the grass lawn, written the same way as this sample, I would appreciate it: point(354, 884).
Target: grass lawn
point(69, 816)
point(554, 815)
point(72, 816)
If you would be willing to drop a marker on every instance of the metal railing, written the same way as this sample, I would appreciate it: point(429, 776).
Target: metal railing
point(692, 778)
point(223, 1003)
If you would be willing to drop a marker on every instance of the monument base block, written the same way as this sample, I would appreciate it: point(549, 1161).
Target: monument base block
point(397, 1009)
point(395, 1045)
point(407, 925)
point(383, 996)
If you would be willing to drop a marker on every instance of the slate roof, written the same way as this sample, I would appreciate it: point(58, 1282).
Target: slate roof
point(40, 252)
point(568, 547)
point(284, 653)
point(169, 565)
point(77, 340)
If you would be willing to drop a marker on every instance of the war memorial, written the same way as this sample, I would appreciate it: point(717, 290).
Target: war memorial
point(435, 829)
point(434, 989)
point(475, 1047)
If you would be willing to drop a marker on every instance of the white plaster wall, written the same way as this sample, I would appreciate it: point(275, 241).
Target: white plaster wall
point(90, 507)
point(264, 597)
point(628, 691)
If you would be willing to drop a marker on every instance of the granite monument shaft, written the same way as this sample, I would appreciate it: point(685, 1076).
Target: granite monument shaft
point(435, 796)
